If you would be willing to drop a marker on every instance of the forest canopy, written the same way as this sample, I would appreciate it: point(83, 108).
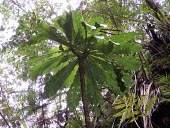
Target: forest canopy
point(89, 64)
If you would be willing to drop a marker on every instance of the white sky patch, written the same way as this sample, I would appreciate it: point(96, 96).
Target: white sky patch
point(74, 3)
point(0, 19)
point(6, 34)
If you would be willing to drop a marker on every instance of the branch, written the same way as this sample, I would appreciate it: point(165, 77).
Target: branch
point(51, 7)
point(18, 5)
point(4, 119)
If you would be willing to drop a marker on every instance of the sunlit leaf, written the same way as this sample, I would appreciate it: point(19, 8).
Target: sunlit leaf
point(124, 37)
point(56, 82)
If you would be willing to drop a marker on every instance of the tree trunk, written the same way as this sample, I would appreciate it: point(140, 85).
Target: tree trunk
point(84, 93)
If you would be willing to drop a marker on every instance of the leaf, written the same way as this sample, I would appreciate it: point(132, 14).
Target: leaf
point(128, 80)
point(50, 63)
point(50, 32)
point(56, 82)
point(61, 62)
point(93, 92)
point(97, 71)
point(133, 47)
point(127, 48)
point(150, 104)
point(103, 45)
point(120, 106)
point(128, 62)
point(133, 119)
point(73, 124)
point(93, 20)
point(80, 39)
point(122, 38)
point(37, 39)
point(71, 24)
point(96, 24)
point(77, 19)
point(59, 67)
point(45, 30)
point(107, 69)
point(74, 94)
point(97, 111)
point(37, 70)
point(120, 113)
point(68, 27)
point(36, 60)
point(69, 80)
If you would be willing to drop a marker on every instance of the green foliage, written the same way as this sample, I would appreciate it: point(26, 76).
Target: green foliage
point(51, 53)
point(78, 38)
point(74, 94)
point(164, 85)
point(130, 107)
point(127, 108)
point(128, 62)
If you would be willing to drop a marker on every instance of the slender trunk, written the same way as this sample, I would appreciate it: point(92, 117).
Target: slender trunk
point(84, 93)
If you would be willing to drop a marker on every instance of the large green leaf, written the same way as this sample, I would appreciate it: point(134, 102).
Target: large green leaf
point(45, 30)
point(127, 78)
point(93, 92)
point(104, 46)
point(98, 19)
point(66, 23)
point(37, 39)
point(38, 69)
point(56, 81)
point(69, 80)
point(127, 48)
point(97, 72)
point(108, 73)
point(50, 32)
point(80, 40)
point(74, 94)
point(68, 27)
point(124, 37)
point(128, 62)
point(50, 63)
point(77, 20)
point(101, 62)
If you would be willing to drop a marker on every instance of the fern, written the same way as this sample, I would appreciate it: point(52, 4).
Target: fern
point(164, 85)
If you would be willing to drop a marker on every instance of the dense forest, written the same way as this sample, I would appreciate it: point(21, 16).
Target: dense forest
point(85, 64)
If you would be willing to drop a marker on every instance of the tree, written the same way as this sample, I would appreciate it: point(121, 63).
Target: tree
point(76, 55)
point(83, 57)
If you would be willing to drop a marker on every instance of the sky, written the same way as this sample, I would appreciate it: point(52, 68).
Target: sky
point(7, 33)
point(74, 4)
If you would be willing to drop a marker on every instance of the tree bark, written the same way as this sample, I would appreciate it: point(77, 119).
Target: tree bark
point(84, 92)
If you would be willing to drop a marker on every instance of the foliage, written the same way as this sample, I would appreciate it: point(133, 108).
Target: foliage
point(129, 108)
point(119, 15)
point(81, 41)
point(57, 54)
point(163, 82)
